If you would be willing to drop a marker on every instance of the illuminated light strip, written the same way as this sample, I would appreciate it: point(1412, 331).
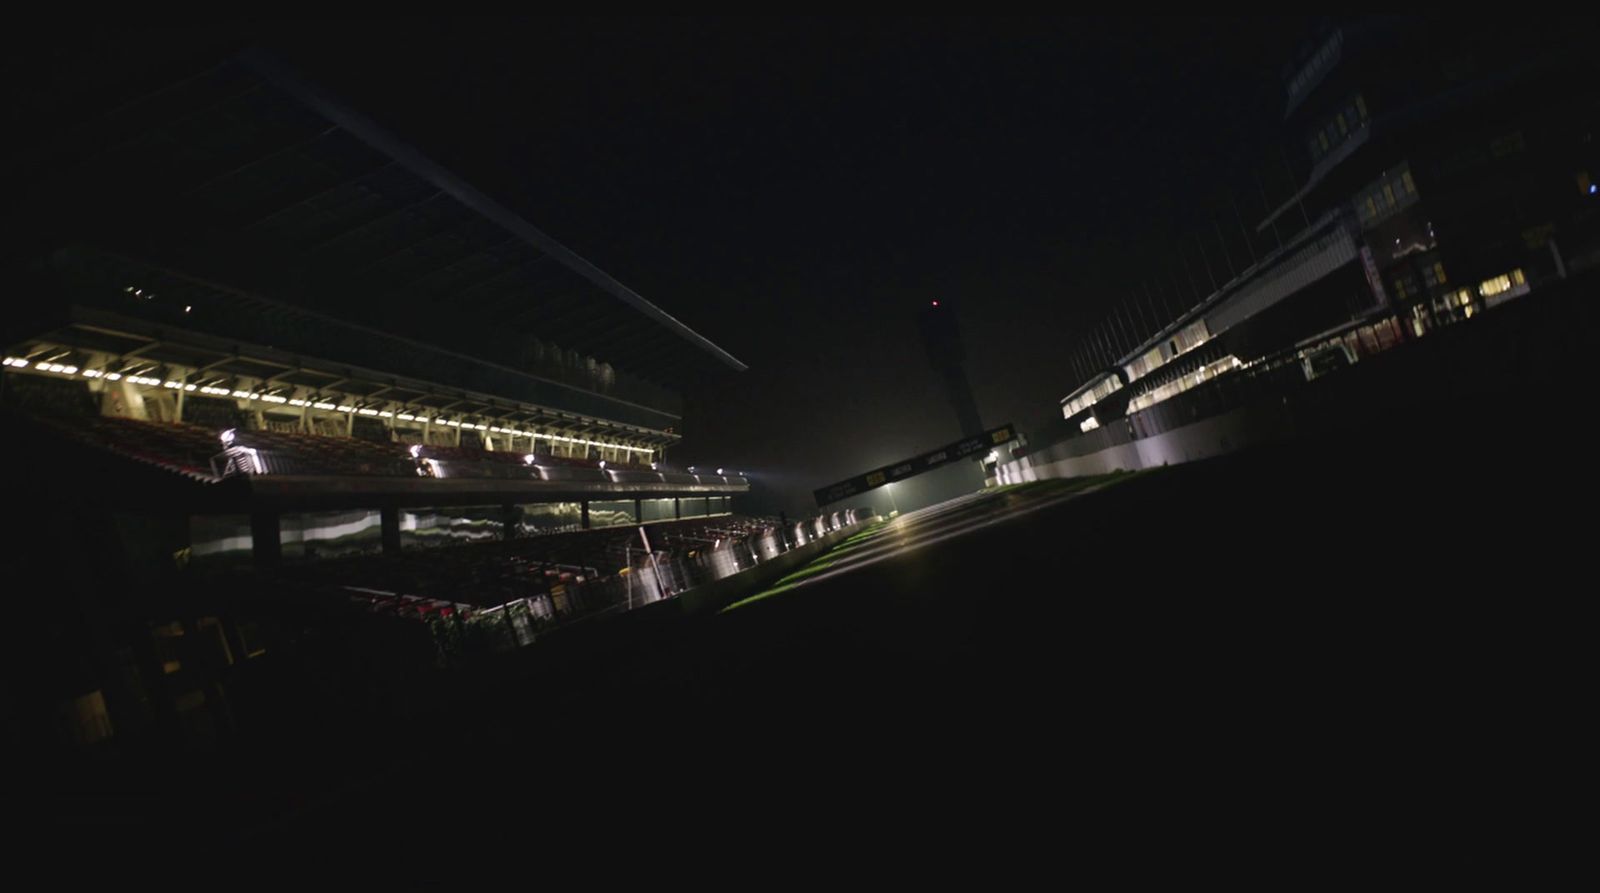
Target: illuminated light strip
point(20, 363)
point(366, 411)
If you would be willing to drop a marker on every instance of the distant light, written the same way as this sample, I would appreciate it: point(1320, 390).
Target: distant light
point(187, 307)
point(1593, 188)
point(602, 463)
point(719, 471)
point(528, 459)
point(416, 450)
point(227, 436)
point(935, 303)
point(110, 376)
point(691, 469)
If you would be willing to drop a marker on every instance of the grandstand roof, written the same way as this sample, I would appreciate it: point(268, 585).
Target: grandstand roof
point(245, 174)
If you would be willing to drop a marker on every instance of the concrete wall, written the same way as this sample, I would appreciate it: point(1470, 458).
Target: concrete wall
point(1204, 439)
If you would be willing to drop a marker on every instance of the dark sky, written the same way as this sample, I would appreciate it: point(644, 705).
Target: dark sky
point(797, 190)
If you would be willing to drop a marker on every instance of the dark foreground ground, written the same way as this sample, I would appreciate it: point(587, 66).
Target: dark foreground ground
point(1337, 638)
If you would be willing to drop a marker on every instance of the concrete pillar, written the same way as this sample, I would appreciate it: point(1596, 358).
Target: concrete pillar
point(391, 530)
point(266, 543)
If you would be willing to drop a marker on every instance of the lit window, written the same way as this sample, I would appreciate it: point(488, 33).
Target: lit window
point(1361, 105)
point(1410, 185)
point(1343, 128)
point(1517, 277)
point(1372, 207)
point(1388, 195)
point(1438, 273)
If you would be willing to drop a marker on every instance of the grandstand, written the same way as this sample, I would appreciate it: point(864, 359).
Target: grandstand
point(306, 314)
point(275, 363)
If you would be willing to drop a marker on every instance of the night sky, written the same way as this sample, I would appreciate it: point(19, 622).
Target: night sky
point(796, 191)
